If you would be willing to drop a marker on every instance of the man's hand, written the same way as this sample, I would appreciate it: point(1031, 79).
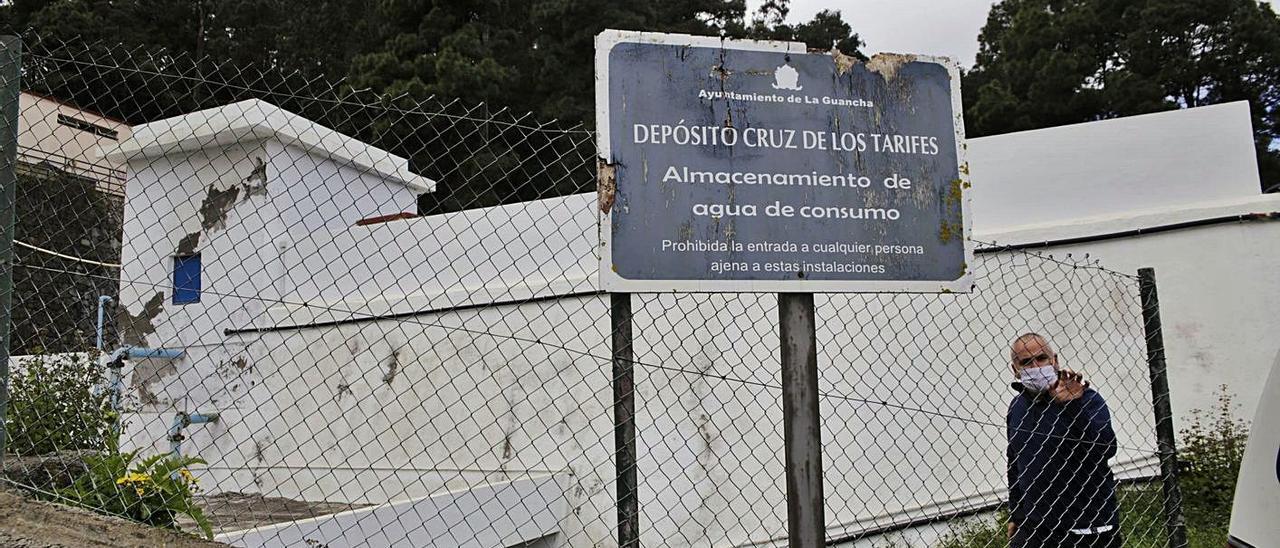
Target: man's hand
point(1013, 528)
point(1070, 386)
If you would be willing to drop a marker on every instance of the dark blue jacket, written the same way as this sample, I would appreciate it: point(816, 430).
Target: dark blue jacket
point(1058, 473)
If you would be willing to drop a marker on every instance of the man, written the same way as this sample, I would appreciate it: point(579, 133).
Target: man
point(1061, 492)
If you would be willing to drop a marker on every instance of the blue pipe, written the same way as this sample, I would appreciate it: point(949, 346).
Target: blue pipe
point(183, 420)
point(134, 353)
point(102, 305)
point(115, 362)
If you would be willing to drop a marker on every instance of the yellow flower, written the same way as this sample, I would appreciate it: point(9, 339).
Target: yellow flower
point(186, 474)
point(138, 490)
point(133, 477)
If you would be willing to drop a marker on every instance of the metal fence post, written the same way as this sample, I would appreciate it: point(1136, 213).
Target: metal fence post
point(800, 422)
point(1163, 409)
point(624, 421)
point(10, 74)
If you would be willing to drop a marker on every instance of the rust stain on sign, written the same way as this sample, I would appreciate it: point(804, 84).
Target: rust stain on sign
point(843, 62)
point(952, 202)
point(606, 185)
point(887, 64)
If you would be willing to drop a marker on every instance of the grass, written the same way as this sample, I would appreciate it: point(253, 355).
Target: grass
point(1141, 523)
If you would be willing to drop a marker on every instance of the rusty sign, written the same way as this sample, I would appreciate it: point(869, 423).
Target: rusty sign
point(757, 166)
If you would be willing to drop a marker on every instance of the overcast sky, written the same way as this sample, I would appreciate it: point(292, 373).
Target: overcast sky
point(936, 27)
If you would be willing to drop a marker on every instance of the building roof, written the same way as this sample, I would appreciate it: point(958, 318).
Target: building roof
point(1177, 160)
point(257, 119)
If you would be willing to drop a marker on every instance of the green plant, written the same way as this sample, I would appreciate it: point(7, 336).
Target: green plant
point(1209, 456)
point(971, 533)
point(155, 491)
point(59, 402)
point(1142, 522)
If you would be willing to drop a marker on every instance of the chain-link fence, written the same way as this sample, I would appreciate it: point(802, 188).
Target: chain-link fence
point(375, 320)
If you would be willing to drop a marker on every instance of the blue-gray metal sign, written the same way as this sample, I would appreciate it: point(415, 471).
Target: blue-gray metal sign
point(755, 166)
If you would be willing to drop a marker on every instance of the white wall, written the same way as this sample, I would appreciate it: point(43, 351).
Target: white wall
point(405, 407)
point(166, 202)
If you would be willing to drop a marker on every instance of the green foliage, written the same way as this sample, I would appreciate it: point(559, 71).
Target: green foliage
point(155, 491)
point(1051, 62)
point(58, 402)
point(1142, 515)
point(528, 55)
point(826, 30)
point(1211, 449)
point(55, 311)
point(971, 533)
point(426, 57)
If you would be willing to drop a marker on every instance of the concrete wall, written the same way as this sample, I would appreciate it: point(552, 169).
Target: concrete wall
point(240, 206)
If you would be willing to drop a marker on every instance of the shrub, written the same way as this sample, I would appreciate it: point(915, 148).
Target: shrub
point(1209, 456)
point(155, 491)
point(972, 533)
point(59, 402)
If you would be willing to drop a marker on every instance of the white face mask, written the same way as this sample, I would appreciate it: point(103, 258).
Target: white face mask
point(1038, 379)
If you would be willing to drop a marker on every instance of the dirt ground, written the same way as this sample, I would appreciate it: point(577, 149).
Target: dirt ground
point(27, 523)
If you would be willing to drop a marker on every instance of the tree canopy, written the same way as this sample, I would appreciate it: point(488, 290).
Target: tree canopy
point(1051, 62)
point(514, 56)
point(527, 55)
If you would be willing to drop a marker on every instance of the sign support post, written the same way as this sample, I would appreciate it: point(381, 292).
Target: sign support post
point(803, 433)
point(624, 421)
point(734, 166)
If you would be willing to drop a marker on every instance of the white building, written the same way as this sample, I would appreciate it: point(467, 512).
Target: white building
point(457, 364)
point(66, 137)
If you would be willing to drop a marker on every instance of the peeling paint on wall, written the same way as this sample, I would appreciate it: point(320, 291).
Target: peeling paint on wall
point(232, 368)
point(256, 183)
point(216, 205)
point(135, 328)
point(188, 244)
point(148, 371)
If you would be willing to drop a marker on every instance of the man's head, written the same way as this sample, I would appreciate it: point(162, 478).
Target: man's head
point(1031, 350)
